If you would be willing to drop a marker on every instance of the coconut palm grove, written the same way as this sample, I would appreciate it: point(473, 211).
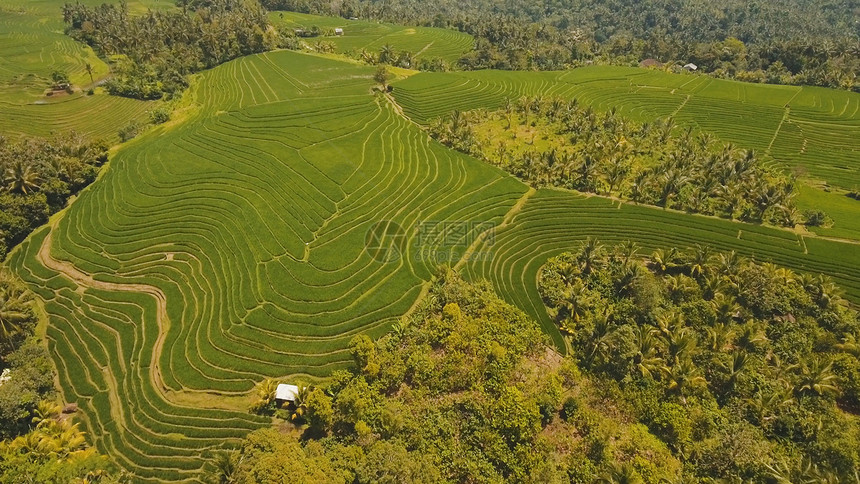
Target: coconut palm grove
point(367, 241)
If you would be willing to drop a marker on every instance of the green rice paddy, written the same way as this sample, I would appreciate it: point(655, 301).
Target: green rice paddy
point(231, 245)
point(423, 42)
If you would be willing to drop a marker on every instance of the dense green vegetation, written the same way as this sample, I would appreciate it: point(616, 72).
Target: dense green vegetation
point(160, 49)
point(34, 48)
point(158, 304)
point(787, 42)
point(671, 382)
point(187, 317)
point(554, 142)
point(707, 345)
point(553, 221)
point(39, 175)
point(465, 390)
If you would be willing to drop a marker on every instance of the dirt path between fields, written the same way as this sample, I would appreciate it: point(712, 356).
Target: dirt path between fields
point(196, 399)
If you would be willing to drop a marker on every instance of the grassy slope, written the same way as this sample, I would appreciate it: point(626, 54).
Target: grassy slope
point(33, 46)
point(426, 42)
point(248, 222)
point(810, 131)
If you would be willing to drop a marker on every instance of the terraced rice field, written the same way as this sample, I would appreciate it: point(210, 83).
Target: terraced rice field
point(32, 47)
point(33, 44)
point(424, 42)
point(97, 116)
point(811, 131)
point(551, 222)
point(230, 248)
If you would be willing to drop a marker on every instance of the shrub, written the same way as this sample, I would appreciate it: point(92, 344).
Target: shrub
point(672, 424)
point(130, 130)
point(569, 408)
point(816, 218)
point(160, 115)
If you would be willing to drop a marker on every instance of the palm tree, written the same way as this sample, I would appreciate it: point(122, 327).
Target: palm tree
point(720, 337)
point(712, 286)
point(14, 310)
point(725, 307)
point(672, 181)
point(615, 172)
point(21, 177)
point(669, 321)
point(625, 283)
point(266, 390)
point(728, 263)
point(751, 336)
point(628, 250)
point(601, 337)
point(699, 260)
point(816, 377)
point(621, 474)
point(590, 255)
point(765, 404)
point(680, 343)
point(368, 57)
point(44, 412)
point(226, 464)
point(825, 293)
point(850, 344)
point(680, 287)
point(405, 59)
point(585, 173)
point(89, 69)
point(735, 367)
point(386, 54)
point(645, 359)
point(399, 329)
point(682, 377)
point(660, 261)
point(576, 302)
point(805, 471)
point(300, 405)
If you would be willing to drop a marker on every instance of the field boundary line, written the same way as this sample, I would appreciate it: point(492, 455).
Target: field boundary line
point(425, 48)
point(506, 220)
point(678, 110)
point(83, 279)
point(785, 115)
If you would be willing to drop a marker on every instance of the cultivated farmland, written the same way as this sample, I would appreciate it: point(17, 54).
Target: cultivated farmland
point(230, 247)
point(96, 116)
point(423, 42)
point(33, 46)
point(811, 131)
point(554, 221)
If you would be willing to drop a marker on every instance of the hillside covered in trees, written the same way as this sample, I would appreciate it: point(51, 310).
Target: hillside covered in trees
point(39, 175)
point(786, 41)
point(555, 142)
point(675, 376)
